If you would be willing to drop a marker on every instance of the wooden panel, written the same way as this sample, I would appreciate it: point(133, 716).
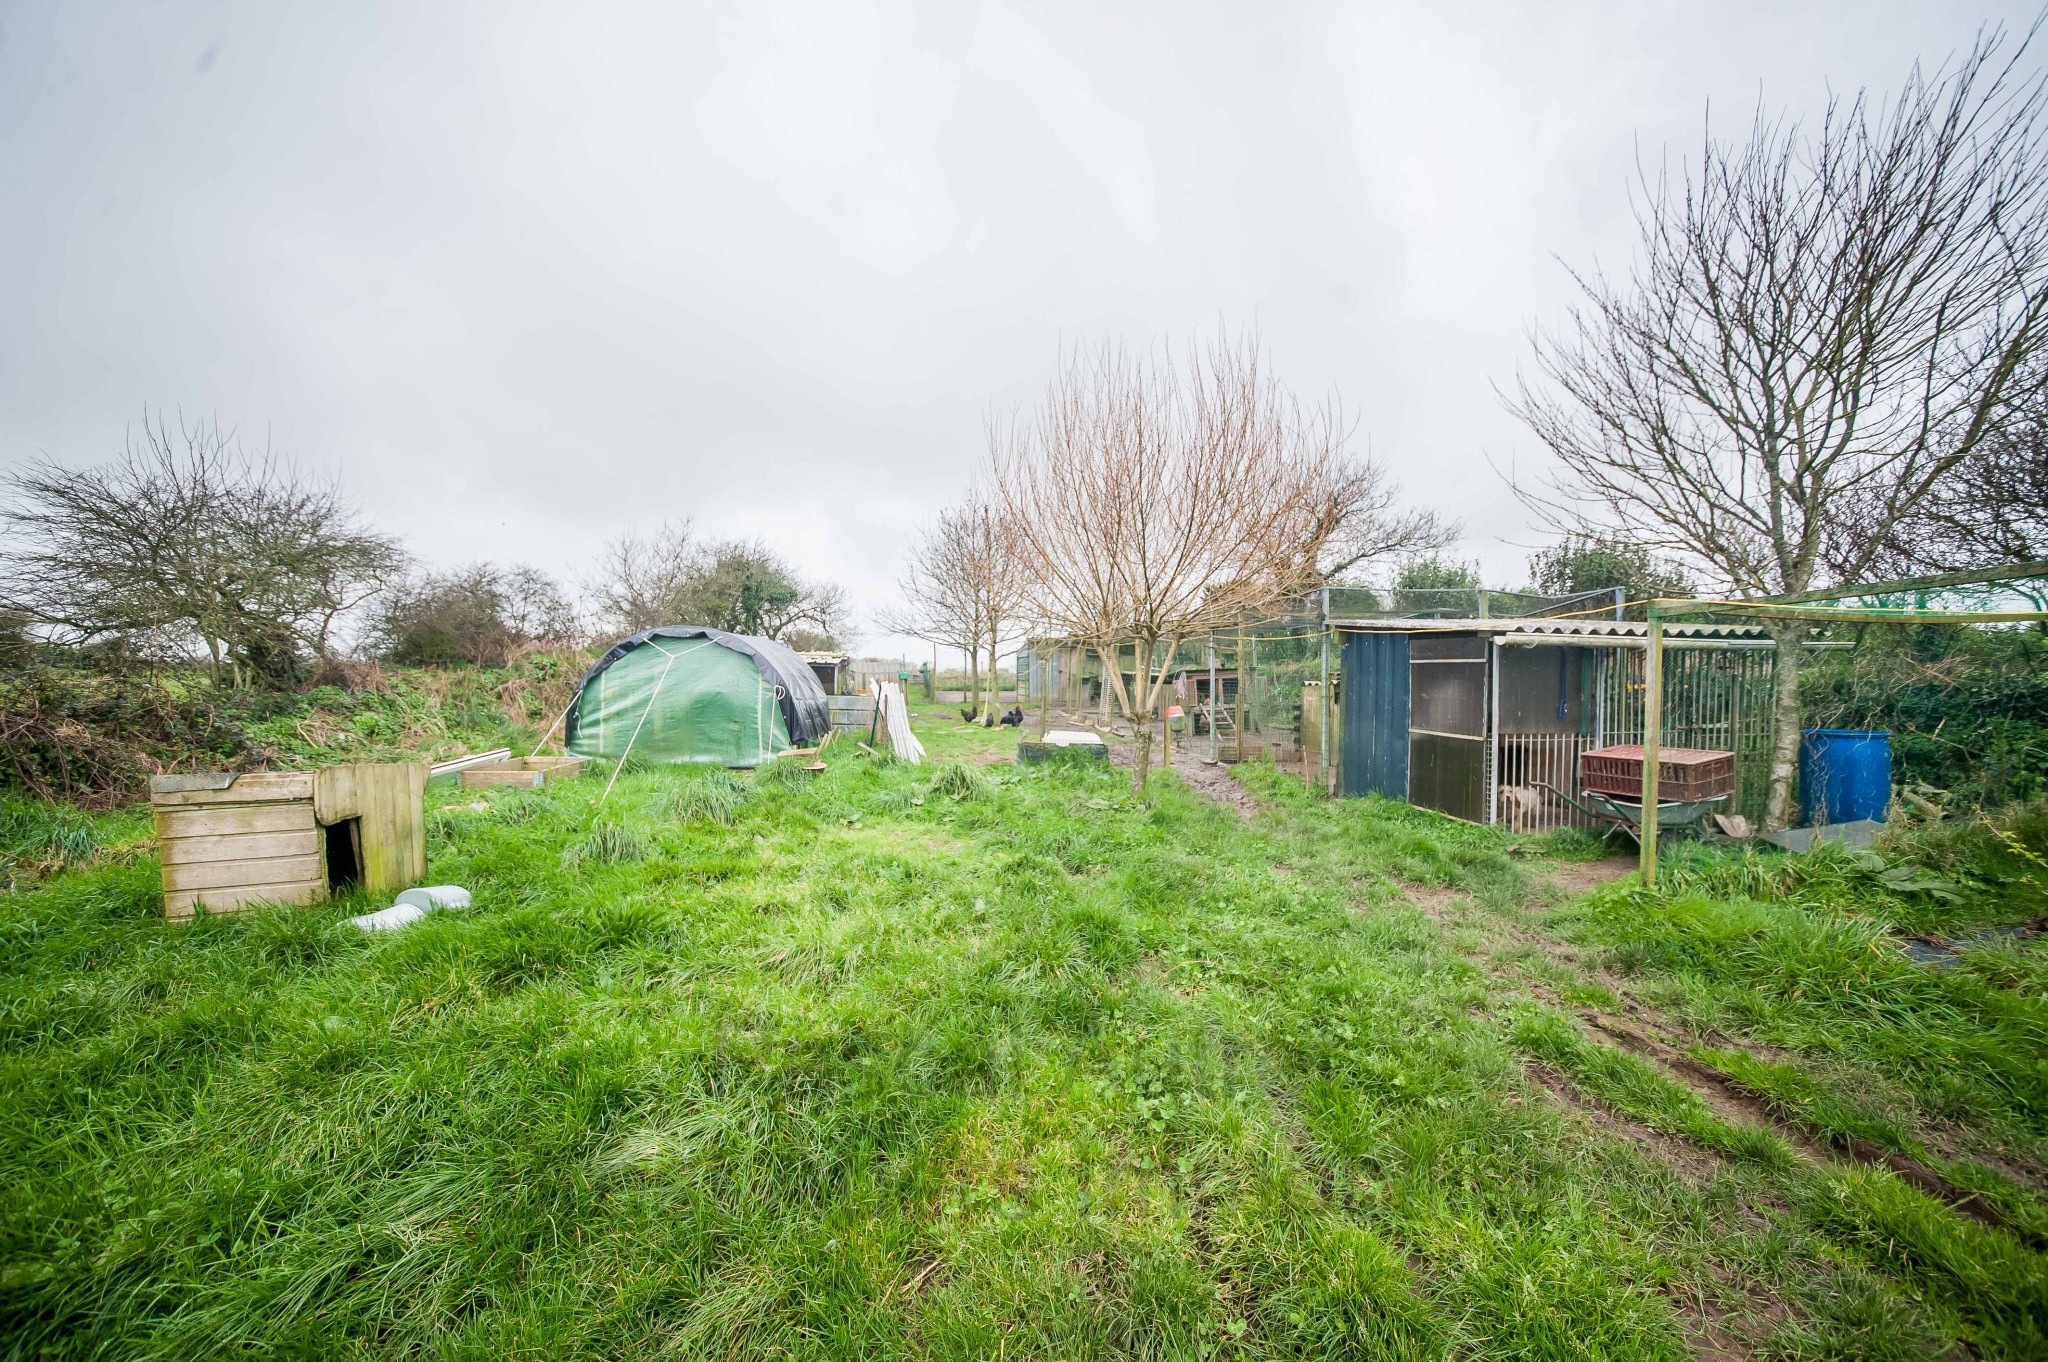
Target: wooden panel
point(391, 800)
point(228, 874)
point(178, 904)
point(528, 772)
point(362, 789)
point(234, 818)
point(255, 787)
point(244, 846)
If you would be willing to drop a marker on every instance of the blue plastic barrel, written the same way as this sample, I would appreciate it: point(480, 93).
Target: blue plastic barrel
point(1844, 774)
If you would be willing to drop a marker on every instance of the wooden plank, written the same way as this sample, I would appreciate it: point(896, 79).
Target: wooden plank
point(234, 818)
point(230, 874)
point(355, 789)
point(525, 772)
point(254, 787)
point(480, 777)
point(179, 905)
point(242, 846)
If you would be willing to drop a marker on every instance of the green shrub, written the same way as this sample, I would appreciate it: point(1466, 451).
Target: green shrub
point(606, 844)
point(784, 773)
point(955, 780)
point(715, 797)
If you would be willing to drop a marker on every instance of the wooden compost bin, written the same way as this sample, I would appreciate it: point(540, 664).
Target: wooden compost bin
point(226, 840)
point(529, 772)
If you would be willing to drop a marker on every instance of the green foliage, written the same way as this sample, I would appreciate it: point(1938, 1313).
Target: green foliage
point(1436, 586)
point(783, 773)
point(480, 615)
point(39, 839)
point(1595, 562)
point(1967, 707)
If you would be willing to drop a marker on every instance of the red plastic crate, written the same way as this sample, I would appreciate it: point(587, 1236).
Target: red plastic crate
point(1682, 772)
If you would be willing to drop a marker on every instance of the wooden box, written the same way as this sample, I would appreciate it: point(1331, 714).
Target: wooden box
point(1682, 772)
point(528, 772)
point(226, 840)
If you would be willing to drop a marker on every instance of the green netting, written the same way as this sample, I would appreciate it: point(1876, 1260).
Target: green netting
point(2014, 594)
point(680, 700)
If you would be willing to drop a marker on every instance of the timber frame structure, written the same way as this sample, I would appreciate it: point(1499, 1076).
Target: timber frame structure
point(2012, 595)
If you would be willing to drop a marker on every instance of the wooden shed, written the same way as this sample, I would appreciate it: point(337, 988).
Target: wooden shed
point(226, 840)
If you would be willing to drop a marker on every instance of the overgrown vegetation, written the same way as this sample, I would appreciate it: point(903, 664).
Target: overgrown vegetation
point(95, 738)
point(904, 1061)
point(1967, 708)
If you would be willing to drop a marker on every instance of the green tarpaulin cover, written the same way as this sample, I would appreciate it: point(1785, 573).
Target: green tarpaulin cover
point(680, 700)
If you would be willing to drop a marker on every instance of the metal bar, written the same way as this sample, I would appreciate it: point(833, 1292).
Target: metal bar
point(1610, 641)
point(1492, 781)
point(1968, 577)
point(1653, 733)
point(1243, 675)
point(1323, 741)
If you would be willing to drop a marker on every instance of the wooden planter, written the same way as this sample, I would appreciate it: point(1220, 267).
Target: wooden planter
point(526, 772)
point(227, 840)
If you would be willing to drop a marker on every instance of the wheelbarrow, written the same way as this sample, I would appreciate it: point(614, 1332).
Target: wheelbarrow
point(1626, 815)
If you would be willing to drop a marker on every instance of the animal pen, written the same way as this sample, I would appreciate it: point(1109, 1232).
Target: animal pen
point(1485, 705)
point(1473, 702)
point(1489, 720)
point(1998, 598)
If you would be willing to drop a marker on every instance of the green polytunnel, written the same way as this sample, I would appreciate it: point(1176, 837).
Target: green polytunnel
point(690, 694)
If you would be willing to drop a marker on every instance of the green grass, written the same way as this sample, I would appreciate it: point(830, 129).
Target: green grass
point(925, 1062)
point(1807, 959)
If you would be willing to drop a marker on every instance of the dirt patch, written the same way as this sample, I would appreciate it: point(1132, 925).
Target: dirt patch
point(1213, 781)
point(1195, 772)
point(1577, 877)
point(1434, 900)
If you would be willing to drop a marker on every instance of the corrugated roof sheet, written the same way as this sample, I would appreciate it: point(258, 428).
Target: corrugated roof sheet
point(1580, 628)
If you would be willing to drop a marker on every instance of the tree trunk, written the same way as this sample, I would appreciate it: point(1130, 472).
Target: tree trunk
point(974, 672)
point(1137, 709)
point(1784, 725)
point(995, 682)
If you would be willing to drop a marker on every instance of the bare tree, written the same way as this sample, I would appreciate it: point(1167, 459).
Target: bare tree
point(191, 540)
point(1991, 510)
point(1152, 498)
point(740, 585)
point(1820, 329)
point(479, 615)
point(965, 590)
point(1371, 525)
point(640, 579)
point(939, 602)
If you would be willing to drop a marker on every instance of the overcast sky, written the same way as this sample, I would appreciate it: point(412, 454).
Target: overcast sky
point(532, 275)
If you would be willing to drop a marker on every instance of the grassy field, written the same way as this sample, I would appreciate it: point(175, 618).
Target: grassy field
point(977, 1061)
